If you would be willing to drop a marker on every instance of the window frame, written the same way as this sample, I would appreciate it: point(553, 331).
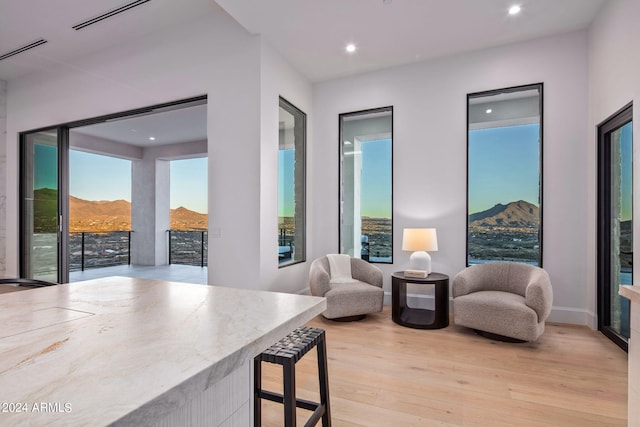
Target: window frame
point(540, 87)
point(293, 110)
point(341, 116)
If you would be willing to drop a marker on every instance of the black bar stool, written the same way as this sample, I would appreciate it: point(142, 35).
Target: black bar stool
point(287, 352)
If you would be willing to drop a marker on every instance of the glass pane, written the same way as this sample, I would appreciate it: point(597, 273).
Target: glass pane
point(366, 190)
point(291, 184)
point(504, 182)
point(621, 232)
point(40, 206)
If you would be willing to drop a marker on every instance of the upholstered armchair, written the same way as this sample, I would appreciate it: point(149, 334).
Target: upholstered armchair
point(504, 298)
point(349, 299)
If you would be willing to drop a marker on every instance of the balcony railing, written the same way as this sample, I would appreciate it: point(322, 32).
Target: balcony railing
point(96, 250)
point(188, 247)
point(285, 246)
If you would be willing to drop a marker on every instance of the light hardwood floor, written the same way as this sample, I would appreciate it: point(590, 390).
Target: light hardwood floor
point(383, 374)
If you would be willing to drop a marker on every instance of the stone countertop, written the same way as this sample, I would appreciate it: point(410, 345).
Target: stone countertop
point(119, 349)
point(630, 292)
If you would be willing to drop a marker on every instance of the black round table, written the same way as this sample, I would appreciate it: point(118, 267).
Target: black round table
point(420, 318)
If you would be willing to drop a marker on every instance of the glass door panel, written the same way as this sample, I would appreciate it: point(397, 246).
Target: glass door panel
point(621, 227)
point(615, 224)
point(39, 206)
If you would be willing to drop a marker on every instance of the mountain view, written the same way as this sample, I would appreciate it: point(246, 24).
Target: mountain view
point(102, 216)
point(505, 232)
point(518, 214)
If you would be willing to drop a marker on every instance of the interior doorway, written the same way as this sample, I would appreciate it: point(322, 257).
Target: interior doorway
point(120, 211)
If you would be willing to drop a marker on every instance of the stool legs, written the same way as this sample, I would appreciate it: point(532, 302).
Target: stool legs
point(289, 395)
point(286, 353)
point(257, 388)
point(323, 377)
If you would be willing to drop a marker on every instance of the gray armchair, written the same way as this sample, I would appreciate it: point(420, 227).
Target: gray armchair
point(350, 300)
point(504, 298)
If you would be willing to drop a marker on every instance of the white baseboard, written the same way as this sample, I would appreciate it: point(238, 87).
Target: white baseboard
point(567, 315)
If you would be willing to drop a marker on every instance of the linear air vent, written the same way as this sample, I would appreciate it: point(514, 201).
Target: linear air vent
point(109, 14)
point(22, 49)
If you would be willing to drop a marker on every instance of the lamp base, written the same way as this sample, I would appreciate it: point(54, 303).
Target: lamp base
point(420, 260)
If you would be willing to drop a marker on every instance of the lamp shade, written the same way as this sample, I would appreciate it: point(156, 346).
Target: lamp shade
point(419, 239)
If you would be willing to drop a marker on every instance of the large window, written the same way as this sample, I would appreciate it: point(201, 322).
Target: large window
point(291, 184)
point(504, 175)
point(366, 199)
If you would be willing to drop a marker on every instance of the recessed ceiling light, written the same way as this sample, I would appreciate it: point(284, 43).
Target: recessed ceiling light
point(489, 111)
point(351, 48)
point(514, 10)
point(387, 1)
point(152, 138)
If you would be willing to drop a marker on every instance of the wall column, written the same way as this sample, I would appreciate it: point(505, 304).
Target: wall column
point(150, 211)
point(3, 174)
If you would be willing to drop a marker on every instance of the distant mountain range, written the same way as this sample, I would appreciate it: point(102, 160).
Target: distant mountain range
point(518, 214)
point(102, 216)
point(88, 215)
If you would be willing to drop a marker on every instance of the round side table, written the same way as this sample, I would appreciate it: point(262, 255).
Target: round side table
point(420, 318)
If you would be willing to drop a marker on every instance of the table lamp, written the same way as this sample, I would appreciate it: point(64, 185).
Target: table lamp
point(420, 240)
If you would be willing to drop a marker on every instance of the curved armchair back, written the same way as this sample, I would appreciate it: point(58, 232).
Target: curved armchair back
point(509, 277)
point(319, 277)
point(320, 274)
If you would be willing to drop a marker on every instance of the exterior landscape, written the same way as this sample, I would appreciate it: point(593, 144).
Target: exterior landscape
point(505, 233)
point(376, 248)
point(100, 233)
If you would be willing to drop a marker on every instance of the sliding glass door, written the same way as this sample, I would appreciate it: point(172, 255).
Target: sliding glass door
point(42, 241)
point(615, 224)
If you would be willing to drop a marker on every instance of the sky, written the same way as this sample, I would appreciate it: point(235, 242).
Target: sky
point(626, 190)
point(96, 177)
point(503, 166)
point(189, 180)
point(376, 179)
point(286, 182)
point(45, 167)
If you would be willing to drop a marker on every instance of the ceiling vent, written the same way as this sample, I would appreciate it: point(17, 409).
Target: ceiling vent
point(109, 14)
point(22, 49)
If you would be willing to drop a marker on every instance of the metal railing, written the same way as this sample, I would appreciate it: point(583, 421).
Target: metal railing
point(96, 250)
point(188, 247)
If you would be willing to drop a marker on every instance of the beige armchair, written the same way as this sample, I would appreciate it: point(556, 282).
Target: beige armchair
point(351, 300)
point(504, 298)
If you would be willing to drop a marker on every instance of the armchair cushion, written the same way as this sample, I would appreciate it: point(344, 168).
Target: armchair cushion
point(504, 298)
point(362, 294)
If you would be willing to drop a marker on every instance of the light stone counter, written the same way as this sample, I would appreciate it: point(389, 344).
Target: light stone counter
point(633, 294)
point(129, 351)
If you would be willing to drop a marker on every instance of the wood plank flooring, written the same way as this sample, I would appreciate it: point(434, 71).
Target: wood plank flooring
point(383, 374)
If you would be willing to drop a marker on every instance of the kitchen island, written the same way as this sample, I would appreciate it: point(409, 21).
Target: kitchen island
point(124, 351)
point(632, 293)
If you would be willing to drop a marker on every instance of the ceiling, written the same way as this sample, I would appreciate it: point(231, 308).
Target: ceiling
point(23, 21)
point(168, 127)
point(310, 34)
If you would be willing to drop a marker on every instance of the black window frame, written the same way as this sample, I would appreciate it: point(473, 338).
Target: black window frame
point(341, 116)
point(540, 87)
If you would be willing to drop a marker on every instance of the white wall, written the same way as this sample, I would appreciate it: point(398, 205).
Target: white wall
point(3, 168)
point(278, 78)
point(614, 70)
point(429, 146)
point(212, 56)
